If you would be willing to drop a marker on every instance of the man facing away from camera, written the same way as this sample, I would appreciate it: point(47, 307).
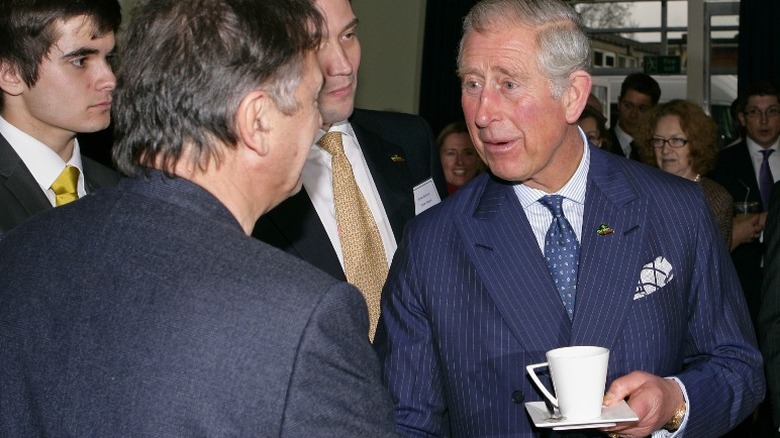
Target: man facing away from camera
point(367, 174)
point(151, 311)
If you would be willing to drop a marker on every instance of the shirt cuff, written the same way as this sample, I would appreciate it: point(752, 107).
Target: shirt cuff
point(663, 433)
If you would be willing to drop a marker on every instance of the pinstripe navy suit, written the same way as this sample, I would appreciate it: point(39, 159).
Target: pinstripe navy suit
point(469, 302)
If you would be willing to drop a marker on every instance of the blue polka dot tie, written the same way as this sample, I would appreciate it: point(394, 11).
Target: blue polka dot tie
point(562, 252)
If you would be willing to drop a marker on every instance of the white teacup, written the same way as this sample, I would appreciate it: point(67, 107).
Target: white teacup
point(579, 376)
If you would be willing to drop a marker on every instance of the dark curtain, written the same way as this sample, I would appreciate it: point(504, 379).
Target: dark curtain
point(440, 87)
point(759, 42)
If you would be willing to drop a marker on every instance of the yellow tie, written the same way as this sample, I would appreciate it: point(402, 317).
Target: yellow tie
point(65, 186)
point(365, 263)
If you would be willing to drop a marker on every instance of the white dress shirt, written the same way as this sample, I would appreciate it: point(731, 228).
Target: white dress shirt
point(624, 139)
point(44, 164)
point(573, 193)
point(317, 177)
point(757, 157)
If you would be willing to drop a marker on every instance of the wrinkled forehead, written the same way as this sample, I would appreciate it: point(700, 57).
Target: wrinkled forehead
point(515, 39)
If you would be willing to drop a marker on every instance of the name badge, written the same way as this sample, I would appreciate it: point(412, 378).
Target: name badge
point(425, 196)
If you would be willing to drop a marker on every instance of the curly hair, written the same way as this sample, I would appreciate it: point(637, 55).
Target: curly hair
point(699, 128)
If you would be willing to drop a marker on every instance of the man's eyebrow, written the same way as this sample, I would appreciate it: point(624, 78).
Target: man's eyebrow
point(83, 51)
point(351, 24)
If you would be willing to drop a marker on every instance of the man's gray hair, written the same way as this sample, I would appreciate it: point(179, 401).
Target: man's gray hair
point(563, 45)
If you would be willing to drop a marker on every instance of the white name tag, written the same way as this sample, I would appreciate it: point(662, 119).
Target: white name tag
point(425, 196)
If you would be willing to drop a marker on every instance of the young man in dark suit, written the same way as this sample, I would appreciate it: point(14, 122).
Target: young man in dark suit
point(639, 92)
point(741, 168)
point(389, 154)
point(56, 81)
point(151, 311)
point(748, 170)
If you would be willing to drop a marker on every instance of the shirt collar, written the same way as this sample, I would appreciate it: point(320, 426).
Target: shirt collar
point(43, 163)
point(574, 189)
point(754, 147)
point(344, 127)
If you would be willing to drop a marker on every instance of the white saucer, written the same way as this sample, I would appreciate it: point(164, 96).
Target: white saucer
point(610, 416)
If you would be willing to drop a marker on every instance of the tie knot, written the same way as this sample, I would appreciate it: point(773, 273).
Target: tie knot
point(67, 181)
point(331, 142)
point(65, 186)
point(767, 153)
point(554, 203)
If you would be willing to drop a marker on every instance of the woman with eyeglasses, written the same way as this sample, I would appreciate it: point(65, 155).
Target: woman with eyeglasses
point(679, 138)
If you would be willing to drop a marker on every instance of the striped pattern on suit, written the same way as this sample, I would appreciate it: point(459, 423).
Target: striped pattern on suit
point(469, 302)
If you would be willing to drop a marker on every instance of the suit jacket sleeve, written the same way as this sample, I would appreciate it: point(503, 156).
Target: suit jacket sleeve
point(769, 316)
point(406, 348)
point(722, 369)
point(335, 388)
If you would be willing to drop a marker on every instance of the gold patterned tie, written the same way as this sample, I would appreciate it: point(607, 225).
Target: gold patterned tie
point(65, 186)
point(365, 263)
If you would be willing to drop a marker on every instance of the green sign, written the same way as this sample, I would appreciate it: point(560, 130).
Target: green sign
point(662, 65)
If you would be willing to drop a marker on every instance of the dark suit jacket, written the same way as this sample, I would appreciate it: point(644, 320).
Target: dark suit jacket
point(769, 316)
point(21, 196)
point(469, 302)
point(734, 171)
point(615, 147)
point(294, 225)
point(185, 327)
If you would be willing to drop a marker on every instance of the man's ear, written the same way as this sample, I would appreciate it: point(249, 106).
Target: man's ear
point(576, 95)
point(741, 117)
point(10, 80)
point(253, 120)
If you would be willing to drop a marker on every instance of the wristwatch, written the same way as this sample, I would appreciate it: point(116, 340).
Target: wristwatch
point(677, 419)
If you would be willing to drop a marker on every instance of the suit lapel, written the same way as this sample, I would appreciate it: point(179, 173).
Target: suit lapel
point(507, 259)
point(392, 178)
point(499, 241)
point(745, 175)
point(609, 263)
point(18, 183)
point(303, 234)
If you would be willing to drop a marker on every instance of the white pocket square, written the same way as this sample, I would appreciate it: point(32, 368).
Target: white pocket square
point(653, 276)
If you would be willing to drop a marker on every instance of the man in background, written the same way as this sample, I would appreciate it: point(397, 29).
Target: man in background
point(561, 244)
point(187, 326)
point(748, 170)
point(354, 205)
point(638, 93)
point(56, 81)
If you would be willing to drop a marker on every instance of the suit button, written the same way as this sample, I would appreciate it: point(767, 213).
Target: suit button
point(518, 396)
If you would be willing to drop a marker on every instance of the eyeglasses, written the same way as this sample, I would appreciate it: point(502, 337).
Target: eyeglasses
point(755, 113)
point(658, 142)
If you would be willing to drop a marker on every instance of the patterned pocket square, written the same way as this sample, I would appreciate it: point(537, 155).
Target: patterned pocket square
point(653, 276)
